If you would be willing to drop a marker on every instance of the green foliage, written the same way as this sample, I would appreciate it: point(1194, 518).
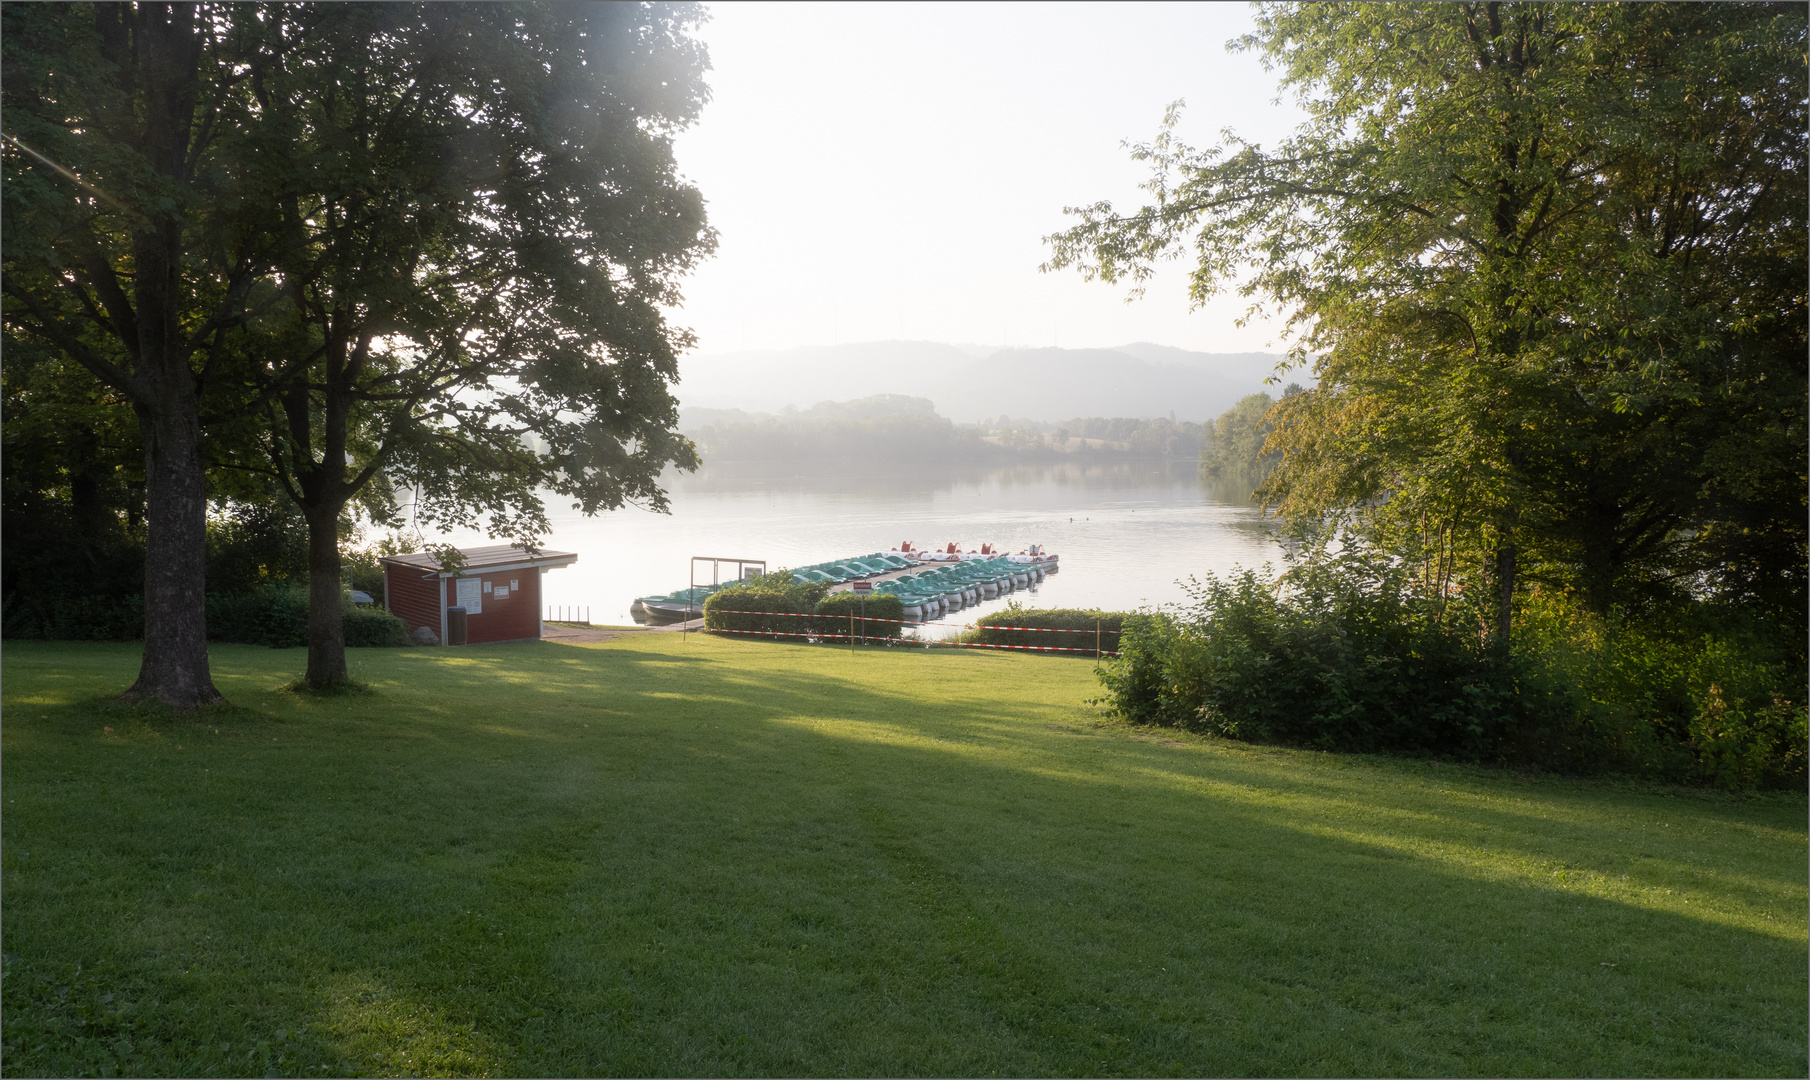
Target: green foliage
point(361, 223)
point(773, 605)
point(257, 571)
point(274, 614)
point(741, 609)
point(277, 615)
point(1101, 628)
point(72, 537)
point(1235, 451)
point(1353, 655)
point(1692, 694)
point(370, 627)
point(1103, 436)
point(841, 614)
point(775, 592)
point(59, 615)
point(1337, 663)
point(1548, 262)
point(365, 573)
point(251, 544)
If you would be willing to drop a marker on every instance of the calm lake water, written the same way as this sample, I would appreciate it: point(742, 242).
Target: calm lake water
point(1126, 532)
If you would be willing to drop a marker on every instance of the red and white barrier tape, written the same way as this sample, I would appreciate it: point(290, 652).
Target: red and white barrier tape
point(850, 637)
point(903, 622)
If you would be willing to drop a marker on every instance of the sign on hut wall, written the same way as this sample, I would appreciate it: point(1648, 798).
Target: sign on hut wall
point(471, 595)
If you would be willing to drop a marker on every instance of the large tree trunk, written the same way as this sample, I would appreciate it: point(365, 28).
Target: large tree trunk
point(326, 624)
point(175, 667)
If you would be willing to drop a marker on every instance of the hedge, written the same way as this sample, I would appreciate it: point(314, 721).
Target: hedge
point(275, 615)
point(782, 613)
point(372, 628)
point(835, 612)
point(63, 617)
point(1101, 628)
point(742, 599)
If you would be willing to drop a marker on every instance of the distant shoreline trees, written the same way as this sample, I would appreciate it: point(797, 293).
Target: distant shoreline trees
point(895, 427)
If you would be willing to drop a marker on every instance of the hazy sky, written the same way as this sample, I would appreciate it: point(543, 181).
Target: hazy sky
point(883, 171)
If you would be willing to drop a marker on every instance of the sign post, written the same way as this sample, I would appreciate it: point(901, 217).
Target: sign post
point(863, 589)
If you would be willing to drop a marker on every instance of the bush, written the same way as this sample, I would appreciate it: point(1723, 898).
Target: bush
point(74, 617)
point(1099, 629)
point(374, 628)
point(1696, 694)
point(774, 605)
point(1333, 665)
point(885, 614)
point(776, 593)
point(1352, 658)
point(277, 616)
point(728, 610)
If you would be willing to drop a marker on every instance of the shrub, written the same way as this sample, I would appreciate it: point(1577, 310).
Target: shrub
point(775, 605)
point(59, 616)
point(1696, 694)
point(1332, 665)
point(277, 616)
point(1140, 683)
point(1352, 658)
point(730, 610)
point(840, 614)
point(1098, 629)
point(776, 593)
point(374, 628)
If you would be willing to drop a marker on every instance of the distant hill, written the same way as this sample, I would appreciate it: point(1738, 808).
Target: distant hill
point(1169, 354)
point(1138, 380)
point(897, 427)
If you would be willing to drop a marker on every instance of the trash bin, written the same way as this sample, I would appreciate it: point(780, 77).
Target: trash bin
point(455, 626)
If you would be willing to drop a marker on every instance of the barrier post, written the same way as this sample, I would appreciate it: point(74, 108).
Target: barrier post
point(1096, 639)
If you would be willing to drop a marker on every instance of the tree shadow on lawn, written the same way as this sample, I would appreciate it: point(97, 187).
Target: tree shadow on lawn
point(1553, 834)
point(800, 874)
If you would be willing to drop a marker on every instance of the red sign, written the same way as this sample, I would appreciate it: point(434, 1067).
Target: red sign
point(864, 588)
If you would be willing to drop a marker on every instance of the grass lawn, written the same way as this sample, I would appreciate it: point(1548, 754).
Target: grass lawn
point(671, 856)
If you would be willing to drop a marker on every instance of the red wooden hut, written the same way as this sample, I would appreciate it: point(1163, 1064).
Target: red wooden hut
point(499, 587)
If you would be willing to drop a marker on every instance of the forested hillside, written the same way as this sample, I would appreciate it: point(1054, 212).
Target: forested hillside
point(970, 384)
point(897, 427)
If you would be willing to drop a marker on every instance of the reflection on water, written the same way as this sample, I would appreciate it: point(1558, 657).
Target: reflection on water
point(1126, 531)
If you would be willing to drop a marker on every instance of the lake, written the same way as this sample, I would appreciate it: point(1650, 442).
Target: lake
point(1126, 531)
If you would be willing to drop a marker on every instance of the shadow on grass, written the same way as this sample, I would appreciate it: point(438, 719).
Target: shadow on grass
point(341, 689)
point(551, 859)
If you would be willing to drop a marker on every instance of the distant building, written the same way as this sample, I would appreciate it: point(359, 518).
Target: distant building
point(499, 587)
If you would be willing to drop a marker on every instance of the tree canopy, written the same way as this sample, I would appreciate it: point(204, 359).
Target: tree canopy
point(1549, 259)
point(133, 239)
point(487, 229)
point(346, 249)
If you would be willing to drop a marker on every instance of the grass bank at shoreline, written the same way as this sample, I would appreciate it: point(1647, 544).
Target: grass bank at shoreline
point(671, 855)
